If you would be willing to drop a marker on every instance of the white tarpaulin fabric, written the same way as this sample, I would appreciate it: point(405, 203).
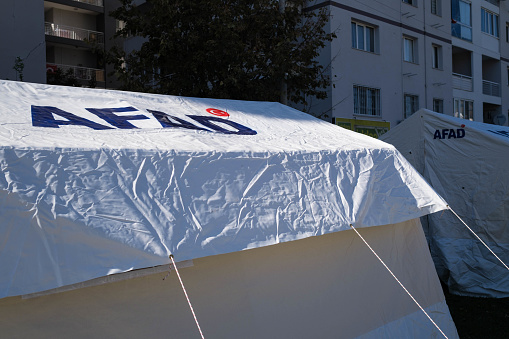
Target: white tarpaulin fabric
point(466, 164)
point(96, 182)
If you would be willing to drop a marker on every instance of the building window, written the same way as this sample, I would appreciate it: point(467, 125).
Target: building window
point(366, 100)
point(438, 105)
point(436, 7)
point(411, 104)
point(507, 32)
point(461, 19)
point(410, 2)
point(489, 22)
point(410, 49)
point(437, 56)
point(363, 37)
point(464, 109)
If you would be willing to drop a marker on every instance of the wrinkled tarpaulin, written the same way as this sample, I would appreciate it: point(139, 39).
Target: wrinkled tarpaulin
point(79, 203)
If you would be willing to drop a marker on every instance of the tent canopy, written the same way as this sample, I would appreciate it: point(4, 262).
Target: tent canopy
point(96, 182)
point(466, 163)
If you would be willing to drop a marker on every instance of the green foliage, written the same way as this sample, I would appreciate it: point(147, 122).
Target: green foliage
point(232, 49)
point(59, 77)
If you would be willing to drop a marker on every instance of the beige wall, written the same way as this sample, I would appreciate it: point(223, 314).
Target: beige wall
point(328, 286)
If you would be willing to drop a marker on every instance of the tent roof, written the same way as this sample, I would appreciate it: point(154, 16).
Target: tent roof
point(277, 128)
point(96, 182)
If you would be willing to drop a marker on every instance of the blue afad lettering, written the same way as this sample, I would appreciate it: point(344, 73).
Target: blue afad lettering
point(44, 116)
point(167, 120)
point(119, 121)
point(449, 133)
point(213, 123)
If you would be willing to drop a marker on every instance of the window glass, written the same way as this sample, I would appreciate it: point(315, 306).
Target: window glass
point(438, 105)
point(461, 26)
point(408, 50)
point(363, 37)
point(489, 22)
point(436, 7)
point(360, 37)
point(464, 109)
point(437, 57)
point(411, 103)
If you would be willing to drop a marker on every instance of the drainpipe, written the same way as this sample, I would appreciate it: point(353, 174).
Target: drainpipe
point(283, 87)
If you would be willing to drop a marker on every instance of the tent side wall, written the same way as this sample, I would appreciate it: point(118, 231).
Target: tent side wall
point(464, 162)
point(407, 137)
point(324, 286)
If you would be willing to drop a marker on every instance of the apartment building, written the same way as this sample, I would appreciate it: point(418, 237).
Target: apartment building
point(393, 57)
point(56, 38)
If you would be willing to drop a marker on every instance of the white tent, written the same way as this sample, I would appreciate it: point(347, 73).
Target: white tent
point(466, 163)
point(99, 187)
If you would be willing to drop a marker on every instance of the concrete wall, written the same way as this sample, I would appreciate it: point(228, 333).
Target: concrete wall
point(22, 36)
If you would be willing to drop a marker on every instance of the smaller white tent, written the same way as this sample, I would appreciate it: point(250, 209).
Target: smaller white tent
point(466, 163)
point(258, 198)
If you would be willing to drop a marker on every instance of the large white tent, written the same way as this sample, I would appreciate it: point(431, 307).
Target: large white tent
point(256, 201)
point(466, 163)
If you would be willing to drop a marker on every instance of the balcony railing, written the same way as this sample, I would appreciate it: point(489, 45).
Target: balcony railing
point(490, 88)
point(74, 33)
point(463, 82)
point(92, 2)
point(80, 73)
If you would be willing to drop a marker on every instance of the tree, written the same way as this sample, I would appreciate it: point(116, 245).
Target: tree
point(19, 65)
point(59, 77)
point(231, 49)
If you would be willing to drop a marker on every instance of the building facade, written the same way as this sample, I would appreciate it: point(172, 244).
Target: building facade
point(56, 40)
point(393, 57)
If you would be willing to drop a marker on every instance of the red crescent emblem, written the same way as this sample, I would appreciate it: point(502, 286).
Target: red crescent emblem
point(217, 112)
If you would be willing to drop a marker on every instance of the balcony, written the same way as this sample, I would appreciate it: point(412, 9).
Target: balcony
point(494, 2)
point(462, 82)
point(80, 73)
point(73, 33)
point(491, 88)
point(92, 2)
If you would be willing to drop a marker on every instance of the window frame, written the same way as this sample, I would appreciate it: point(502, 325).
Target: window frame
point(437, 7)
point(414, 104)
point(463, 103)
point(413, 49)
point(437, 57)
point(459, 28)
point(440, 103)
point(354, 26)
point(488, 24)
point(371, 95)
